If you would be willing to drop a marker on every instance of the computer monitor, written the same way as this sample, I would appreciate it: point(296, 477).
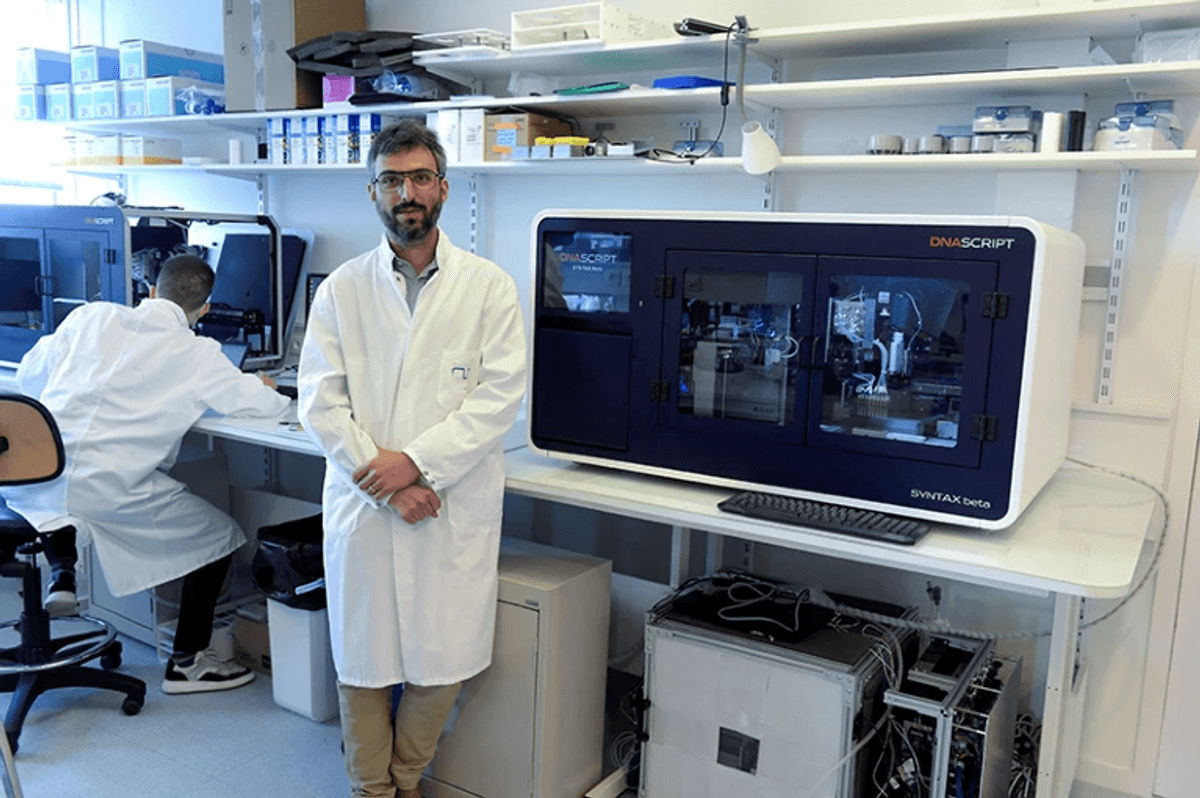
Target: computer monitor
point(314, 280)
point(236, 352)
point(253, 302)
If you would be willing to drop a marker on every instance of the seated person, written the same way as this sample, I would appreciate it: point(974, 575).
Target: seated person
point(125, 385)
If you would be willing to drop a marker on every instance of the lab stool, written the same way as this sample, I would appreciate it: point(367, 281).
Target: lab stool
point(41, 661)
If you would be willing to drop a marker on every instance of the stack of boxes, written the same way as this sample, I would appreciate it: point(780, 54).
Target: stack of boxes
point(139, 79)
point(38, 71)
point(313, 140)
point(470, 135)
point(161, 80)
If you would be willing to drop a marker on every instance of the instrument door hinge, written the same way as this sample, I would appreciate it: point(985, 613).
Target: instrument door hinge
point(664, 286)
point(44, 285)
point(983, 427)
point(995, 305)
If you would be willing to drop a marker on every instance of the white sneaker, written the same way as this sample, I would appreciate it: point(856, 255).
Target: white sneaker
point(205, 674)
point(61, 602)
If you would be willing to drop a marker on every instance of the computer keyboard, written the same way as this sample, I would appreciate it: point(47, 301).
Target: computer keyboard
point(829, 517)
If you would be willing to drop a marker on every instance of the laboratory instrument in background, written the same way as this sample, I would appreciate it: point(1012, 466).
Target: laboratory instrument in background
point(912, 364)
point(53, 259)
point(956, 713)
point(754, 690)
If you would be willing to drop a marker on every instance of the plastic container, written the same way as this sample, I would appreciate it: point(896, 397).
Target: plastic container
point(303, 679)
point(595, 23)
point(1140, 125)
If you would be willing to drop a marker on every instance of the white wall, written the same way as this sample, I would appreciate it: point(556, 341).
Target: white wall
point(1151, 431)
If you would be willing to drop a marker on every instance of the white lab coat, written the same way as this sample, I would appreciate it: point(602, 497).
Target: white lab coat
point(413, 602)
point(124, 385)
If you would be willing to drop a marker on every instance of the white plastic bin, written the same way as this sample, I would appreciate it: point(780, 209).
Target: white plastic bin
point(302, 676)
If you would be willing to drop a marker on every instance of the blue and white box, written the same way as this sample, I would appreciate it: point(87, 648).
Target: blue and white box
point(41, 67)
point(315, 131)
point(146, 59)
point(106, 99)
point(329, 125)
point(176, 96)
point(368, 126)
point(347, 138)
point(278, 133)
point(133, 99)
point(81, 96)
point(91, 63)
point(31, 102)
point(296, 152)
point(59, 102)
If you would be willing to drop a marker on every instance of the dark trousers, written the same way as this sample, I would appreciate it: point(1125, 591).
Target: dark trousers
point(59, 548)
point(197, 602)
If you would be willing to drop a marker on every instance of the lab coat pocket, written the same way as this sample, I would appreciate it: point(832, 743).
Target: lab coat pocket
point(459, 373)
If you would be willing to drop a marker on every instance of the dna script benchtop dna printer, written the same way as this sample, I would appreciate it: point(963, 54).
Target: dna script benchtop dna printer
point(917, 365)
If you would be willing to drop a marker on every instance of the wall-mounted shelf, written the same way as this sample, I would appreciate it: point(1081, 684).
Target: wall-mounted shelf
point(1157, 79)
point(1167, 79)
point(977, 30)
point(1149, 161)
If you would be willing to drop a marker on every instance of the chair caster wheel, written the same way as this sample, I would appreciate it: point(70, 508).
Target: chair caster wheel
point(110, 662)
point(132, 706)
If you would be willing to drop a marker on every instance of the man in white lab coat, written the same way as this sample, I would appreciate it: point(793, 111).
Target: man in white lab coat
point(413, 368)
point(125, 385)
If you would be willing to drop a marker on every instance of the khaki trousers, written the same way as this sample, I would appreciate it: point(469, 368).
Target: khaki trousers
point(380, 758)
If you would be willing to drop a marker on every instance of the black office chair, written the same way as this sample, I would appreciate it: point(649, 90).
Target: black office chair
point(31, 451)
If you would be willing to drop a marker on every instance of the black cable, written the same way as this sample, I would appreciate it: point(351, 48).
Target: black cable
point(670, 156)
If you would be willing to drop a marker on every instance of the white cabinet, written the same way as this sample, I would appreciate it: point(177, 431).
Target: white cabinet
point(532, 724)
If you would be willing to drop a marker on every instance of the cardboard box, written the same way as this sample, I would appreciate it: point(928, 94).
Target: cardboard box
point(252, 638)
point(143, 150)
point(369, 126)
point(296, 138)
point(98, 150)
point(471, 130)
point(133, 99)
point(259, 74)
point(81, 98)
point(355, 134)
point(168, 96)
point(106, 99)
point(336, 89)
point(445, 123)
point(145, 59)
point(91, 63)
point(279, 133)
point(42, 67)
point(329, 153)
point(506, 131)
point(320, 138)
point(70, 156)
point(59, 102)
point(31, 102)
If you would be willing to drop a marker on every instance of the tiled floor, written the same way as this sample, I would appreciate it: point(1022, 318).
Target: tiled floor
point(77, 743)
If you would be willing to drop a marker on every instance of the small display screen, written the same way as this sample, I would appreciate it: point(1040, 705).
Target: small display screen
point(586, 271)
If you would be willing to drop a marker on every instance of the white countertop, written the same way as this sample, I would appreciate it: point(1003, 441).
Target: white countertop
point(1082, 535)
